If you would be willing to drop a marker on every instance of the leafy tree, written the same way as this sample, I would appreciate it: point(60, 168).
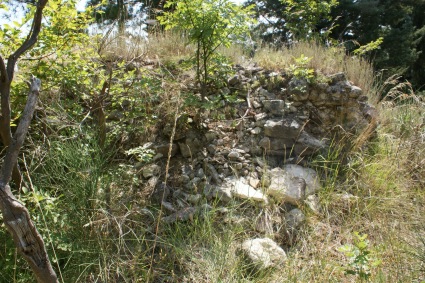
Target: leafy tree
point(15, 215)
point(209, 24)
point(49, 29)
point(417, 70)
point(303, 16)
point(271, 25)
point(390, 32)
point(110, 11)
point(285, 20)
point(396, 22)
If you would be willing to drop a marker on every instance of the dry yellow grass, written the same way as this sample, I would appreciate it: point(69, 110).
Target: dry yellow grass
point(326, 60)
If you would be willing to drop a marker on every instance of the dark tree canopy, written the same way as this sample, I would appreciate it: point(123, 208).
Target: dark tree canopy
point(358, 22)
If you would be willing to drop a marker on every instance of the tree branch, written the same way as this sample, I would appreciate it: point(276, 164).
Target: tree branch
point(19, 136)
point(7, 73)
point(30, 40)
point(3, 73)
point(16, 217)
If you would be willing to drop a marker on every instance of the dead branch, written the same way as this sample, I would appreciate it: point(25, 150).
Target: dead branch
point(16, 217)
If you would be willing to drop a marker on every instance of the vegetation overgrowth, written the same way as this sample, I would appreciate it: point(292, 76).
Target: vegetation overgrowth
point(99, 218)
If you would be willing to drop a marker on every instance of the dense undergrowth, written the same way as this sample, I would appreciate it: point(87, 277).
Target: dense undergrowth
point(96, 212)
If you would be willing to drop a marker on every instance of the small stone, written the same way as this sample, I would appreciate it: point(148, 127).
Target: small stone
point(274, 107)
point(211, 149)
point(150, 170)
point(210, 136)
point(168, 206)
point(312, 201)
point(338, 77)
point(194, 199)
point(233, 80)
point(200, 173)
point(254, 182)
point(182, 215)
point(233, 155)
point(294, 219)
point(211, 171)
point(184, 179)
point(244, 191)
point(264, 253)
point(292, 183)
point(222, 193)
point(256, 104)
point(256, 131)
point(238, 166)
point(260, 116)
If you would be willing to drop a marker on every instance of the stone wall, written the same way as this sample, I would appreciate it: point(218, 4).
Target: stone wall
point(256, 154)
point(285, 119)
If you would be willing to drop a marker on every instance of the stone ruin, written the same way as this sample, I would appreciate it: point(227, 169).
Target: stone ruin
point(261, 154)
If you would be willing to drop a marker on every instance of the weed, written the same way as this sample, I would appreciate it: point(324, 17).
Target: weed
point(359, 256)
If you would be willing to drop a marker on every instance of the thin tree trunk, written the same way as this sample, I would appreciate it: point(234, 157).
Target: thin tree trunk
point(5, 131)
point(15, 216)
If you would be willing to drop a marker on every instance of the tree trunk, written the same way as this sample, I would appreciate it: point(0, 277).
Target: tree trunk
point(15, 216)
point(26, 237)
point(5, 131)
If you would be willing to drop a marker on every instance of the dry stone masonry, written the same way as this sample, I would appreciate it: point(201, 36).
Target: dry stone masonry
point(259, 153)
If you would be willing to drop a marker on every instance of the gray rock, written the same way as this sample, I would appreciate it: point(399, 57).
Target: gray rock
point(284, 128)
point(193, 199)
point(151, 170)
point(338, 77)
point(211, 135)
point(265, 143)
point(294, 219)
point(200, 173)
point(222, 193)
point(271, 144)
point(244, 191)
point(309, 175)
point(312, 201)
point(264, 252)
point(256, 104)
point(287, 188)
point(234, 155)
point(164, 148)
point(238, 166)
point(307, 144)
point(267, 94)
point(168, 206)
point(190, 147)
point(292, 183)
point(211, 171)
point(211, 149)
point(234, 80)
point(260, 116)
point(298, 88)
point(182, 215)
point(274, 107)
point(256, 131)
point(184, 179)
